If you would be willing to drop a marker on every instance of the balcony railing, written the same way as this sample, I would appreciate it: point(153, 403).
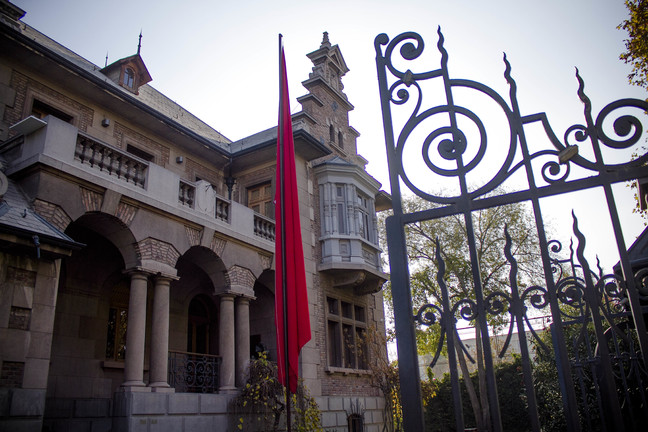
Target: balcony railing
point(62, 146)
point(222, 209)
point(193, 372)
point(264, 227)
point(110, 160)
point(186, 194)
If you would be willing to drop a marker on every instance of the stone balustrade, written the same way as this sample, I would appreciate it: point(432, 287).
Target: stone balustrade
point(108, 159)
point(264, 227)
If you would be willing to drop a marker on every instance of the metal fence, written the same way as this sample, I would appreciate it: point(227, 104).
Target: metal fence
point(598, 333)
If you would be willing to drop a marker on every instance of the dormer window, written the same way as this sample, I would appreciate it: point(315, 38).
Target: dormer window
point(129, 78)
point(129, 73)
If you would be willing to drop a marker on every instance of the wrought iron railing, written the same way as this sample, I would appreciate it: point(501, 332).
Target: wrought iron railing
point(193, 372)
point(468, 172)
point(110, 160)
point(264, 227)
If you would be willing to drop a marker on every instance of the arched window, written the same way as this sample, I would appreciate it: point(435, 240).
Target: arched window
point(331, 133)
point(129, 78)
point(340, 140)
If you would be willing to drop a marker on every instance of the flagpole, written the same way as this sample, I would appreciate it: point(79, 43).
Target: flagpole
point(280, 142)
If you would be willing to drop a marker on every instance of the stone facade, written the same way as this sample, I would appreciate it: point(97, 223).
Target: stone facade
point(130, 256)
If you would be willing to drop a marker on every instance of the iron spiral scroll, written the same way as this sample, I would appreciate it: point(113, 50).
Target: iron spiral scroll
point(452, 143)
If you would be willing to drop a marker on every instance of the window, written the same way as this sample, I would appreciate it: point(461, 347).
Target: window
point(346, 334)
point(340, 203)
point(117, 323)
point(260, 199)
point(363, 217)
point(340, 140)
point(139, 153)
point(41, 110)
point(129, 78)
point(356, 423)
point(331, 133)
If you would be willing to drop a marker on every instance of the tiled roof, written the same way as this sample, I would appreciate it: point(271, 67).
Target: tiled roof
point(147, 94)
point(16, 214)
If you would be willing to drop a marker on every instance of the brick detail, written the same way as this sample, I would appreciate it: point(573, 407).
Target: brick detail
point(126, 213)
point(23, 85)
point(240, 276)
point(124, 136)
point(266, 261)
point(91, 200)
point(11, 374)
point(156, 250)
point(19, 318)
point(218, 245)
point(194, 170)
point(193, 235)
point(53, 214)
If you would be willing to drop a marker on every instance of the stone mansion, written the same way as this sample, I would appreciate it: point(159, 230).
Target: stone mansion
point(137, 242)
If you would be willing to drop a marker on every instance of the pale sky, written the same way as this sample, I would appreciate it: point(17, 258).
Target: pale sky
point(218, 59)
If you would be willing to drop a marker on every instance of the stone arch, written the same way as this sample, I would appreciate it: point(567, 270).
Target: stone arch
point(200, 275)
point(92, 288)
point(115, 231)
point(202, 266)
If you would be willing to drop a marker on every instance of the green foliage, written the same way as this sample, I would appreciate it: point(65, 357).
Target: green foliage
point(261, 404)
point(452, 233)
point(384, 376)
point(636, 45)
point(636, 54)
point(489, 236)
point(546, 382)
point(439, 412)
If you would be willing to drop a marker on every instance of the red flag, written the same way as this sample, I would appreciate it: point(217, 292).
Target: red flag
point(291, 299)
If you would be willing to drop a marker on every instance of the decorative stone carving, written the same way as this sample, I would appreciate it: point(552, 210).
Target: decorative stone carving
point(218, 245)
point(193, 235)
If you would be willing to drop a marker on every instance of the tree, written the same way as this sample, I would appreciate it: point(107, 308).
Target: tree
point(636, 45)
point(636, 54)
point(490, 240)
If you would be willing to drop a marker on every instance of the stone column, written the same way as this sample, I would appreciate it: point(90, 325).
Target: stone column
point(135, 332)
point(226, 344)
point(160, 335)
point(242, 339)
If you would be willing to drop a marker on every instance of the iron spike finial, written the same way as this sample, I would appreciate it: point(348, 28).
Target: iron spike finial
point(139, 44)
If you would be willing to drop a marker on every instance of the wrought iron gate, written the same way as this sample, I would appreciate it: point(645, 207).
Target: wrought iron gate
point(602, 377)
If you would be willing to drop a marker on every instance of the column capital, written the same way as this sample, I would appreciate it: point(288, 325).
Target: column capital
point(244, 298)
point(150, 273)
point(136, 272)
